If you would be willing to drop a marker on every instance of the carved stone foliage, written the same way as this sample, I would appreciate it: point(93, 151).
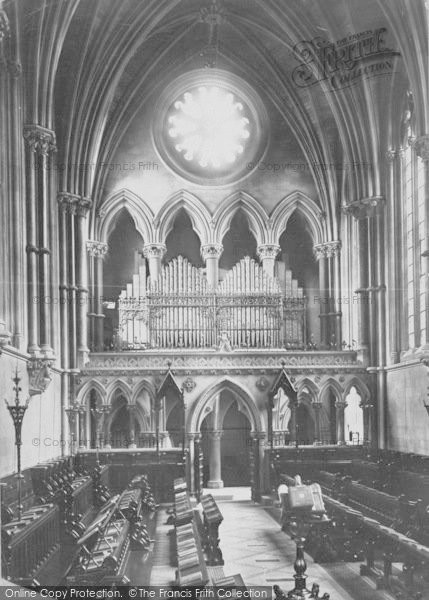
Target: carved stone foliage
point(366, 207)
point(96, 248)
point(211, 251)
point(327, 249)
point(39, 139)
point(122, 361)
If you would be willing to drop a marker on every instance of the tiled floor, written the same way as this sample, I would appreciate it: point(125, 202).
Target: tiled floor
point(253, 545)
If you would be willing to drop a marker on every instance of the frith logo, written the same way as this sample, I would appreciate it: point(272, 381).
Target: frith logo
point(345, 62)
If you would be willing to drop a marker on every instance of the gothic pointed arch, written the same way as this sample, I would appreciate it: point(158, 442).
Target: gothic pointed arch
point(244, 397)
point(254, 211)
point(307, 207)
point(310, 385)
point(136, 207)
point(331, 385)
point(143, 386)
point(118, 385)
point(195, 209)
point(361, 389)
point(85, 390)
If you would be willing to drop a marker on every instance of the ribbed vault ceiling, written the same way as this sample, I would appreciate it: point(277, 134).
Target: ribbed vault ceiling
point(98, 62)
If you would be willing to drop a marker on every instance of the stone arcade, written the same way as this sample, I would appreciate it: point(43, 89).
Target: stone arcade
point(214, 271)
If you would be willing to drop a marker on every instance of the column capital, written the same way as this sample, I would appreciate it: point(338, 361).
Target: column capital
point(40, 139)
point(215, 434)
point(340, 404)
point(268, 251)
point(366, 207)
point(327, 249)
point(96, 248)
point(154, 250)
point(83, 205)
point(68, 202)
point(4, 26)
point(421, 146)
point(211, 251)
point(391, 155)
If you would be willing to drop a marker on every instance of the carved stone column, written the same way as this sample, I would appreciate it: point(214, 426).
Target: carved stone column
point(211, 254)
point(365, 211)
point(132, 416)
point(97, 251)
point(154, 254)
point(32, 247)
point(421, 146)
point(12, 179)
point(41, 144)
point(333, 250)
point(393, 259)
point(82, 427)
point(340, 406)
point(317, 406)
point(267, 254)
point(82, 208)
point(215, 464)
point(327, 254)
point(368, 424)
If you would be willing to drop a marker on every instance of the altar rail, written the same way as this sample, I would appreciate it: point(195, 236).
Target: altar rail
point(247, 310)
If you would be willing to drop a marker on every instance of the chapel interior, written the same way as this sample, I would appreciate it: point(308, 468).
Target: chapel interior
point(215, 277)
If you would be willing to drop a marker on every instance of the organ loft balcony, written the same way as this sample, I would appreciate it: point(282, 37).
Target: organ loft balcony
point(179, 312)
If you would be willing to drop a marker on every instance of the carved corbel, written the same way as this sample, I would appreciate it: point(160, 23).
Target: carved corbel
point(39, 372)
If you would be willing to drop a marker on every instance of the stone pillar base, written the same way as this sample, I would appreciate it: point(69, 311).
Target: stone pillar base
point(215, 484)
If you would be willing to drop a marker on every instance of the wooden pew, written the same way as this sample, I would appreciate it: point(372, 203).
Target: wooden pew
point(28, 543)
point(212, 519)
point(190, 560)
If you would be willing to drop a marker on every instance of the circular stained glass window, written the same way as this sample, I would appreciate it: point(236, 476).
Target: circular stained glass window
point(211, 128)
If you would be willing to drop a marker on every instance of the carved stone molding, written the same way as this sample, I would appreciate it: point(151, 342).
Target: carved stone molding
point(421, 146)
point(268, 251)
point(391, 155)
point(4, 26)
point(39, 373)
point(5, 336)
point(366, 207)
point(96, 248)
point(340, 405)
point(40, 139)
point(68, 202)
point(211, 251)
point(83, 205)
point(327, 249)
point(154, 250)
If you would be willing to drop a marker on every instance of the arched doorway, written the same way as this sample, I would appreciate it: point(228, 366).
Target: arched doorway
point(304, 425)
point(235, 448)
point(227, 427)
point(226, 440)
point(353, 417)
